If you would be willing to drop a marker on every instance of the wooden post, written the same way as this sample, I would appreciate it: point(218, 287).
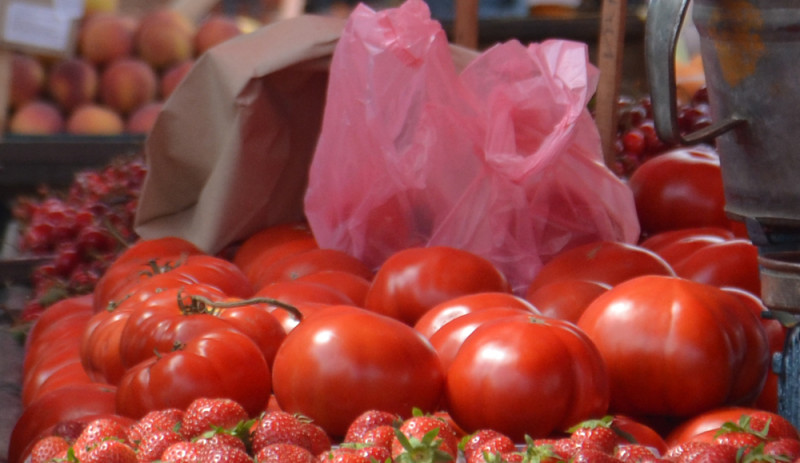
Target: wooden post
point(611, 44)
point(465, 24)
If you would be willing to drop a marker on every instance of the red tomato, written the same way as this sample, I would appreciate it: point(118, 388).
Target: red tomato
point(729, 263)
point(448, 339)
point(68, 373)
point(566, 299)
point(273, 254)
point(443, 313)
point(343, 361)
point(47, 365)
point(59, 335)
point(661, 239)
point(526, 375)
point(712, 420)
point(222, 363)
point(639, 432)
point(608, 262)
point(675, 253)
point(681, 188)
point(353, 286)
point(313, 260)
point(295, 292)
point(265, 239)
point(413, 280)
point(289, 320)
point(664, 336)
point(56, 314)
point(68, 403)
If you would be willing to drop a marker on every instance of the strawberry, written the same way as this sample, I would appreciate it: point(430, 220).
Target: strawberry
point(472, 441)
point(109, 450)
point(343, 455)
point(424, 438)
point(217, 453)
point(47, 448)
point(635, 453)
point(95, 432)
point(368, 451)
point(182, 452)
point(368, 420)
point(543, 451)
point(596, 434)
point(495, 447)
point(783, 447)
point(717, 453)
point(739, 439)
point(156, 420)
point(155, 443)
point(284, 453)
point(282, 427)
point(206, 414)
point(770, 425)
point(591, 454)
point(220, 438)
point(686, 451)
point(381, 436)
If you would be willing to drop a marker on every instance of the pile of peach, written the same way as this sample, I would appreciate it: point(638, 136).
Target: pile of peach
point(123, 69)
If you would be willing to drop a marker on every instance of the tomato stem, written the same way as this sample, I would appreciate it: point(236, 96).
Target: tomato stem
point(200, 303)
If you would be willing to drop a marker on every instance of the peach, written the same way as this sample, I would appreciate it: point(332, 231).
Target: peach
point(127, 83)
point(215, 29)
point(164, 37)
point(142, 120)
point(105, 37)
point(72, 82)
point(94, 119)
point(28, 77)
point(36, 117)
point(173, 76)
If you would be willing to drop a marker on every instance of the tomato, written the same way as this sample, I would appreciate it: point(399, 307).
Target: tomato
point(294, 292)
point(665, 238)
point(413, 280)
point(675, 253)
point(680, 188)
point(729, 263)
point(712, 420)
point(313, 260)
point(68, 373)
point(145, 250)
point(639, 432)
point(609, 262)
point(566, 299)
point(46, 366)
point(447, 340)
point(344, 360)
point(265, 239)
point(56, 313)
point(355, 287)
point(59, 335)
point(221, 363)
point(526, 375)
point(675, 347)
point(289, 320)
point(443, 313)
point(67, 403)
point(273, 254)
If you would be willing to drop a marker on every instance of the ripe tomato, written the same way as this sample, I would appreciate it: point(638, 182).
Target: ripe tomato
point(47, 366)
point(656, 242)
point(566, 299)
point(443, 313)
point(269, 256)
point(640, 432)
point(728, 263)
point(222, 363)
point(675, 347)
point(69, 373)
point(295, 292)
point(343, 361)
point(711, 420)
point(448, 339)
point(526, 375)
point(265, 239)
point(56, 314)
point(313, 260)
point(608, 262)
point(413, 280)
point(353, 286)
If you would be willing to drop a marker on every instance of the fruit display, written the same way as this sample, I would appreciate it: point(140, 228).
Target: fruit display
point(123, 69)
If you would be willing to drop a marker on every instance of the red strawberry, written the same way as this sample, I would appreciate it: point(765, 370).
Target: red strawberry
point(739, 439)
point(220, 438)
point(109, 451)
point(686, 451)
point(381, 436)
point(368, 420)
point(635, 453)
point(284, 453)
point(476, 439)
point(223, 454)
point(182, 452)
point(783, 447)
point(593, 455)
point(543, 450)
point(596, 434)
point(283, 427)
point(772, 425)
point(47, 448)
point(156, 420)
point(717, 453)
point(342, 455)
point(96, 431)
point(368, 451)
point(424, 438)
point(495, 447)
point(205, 414)
point(565, 447)
point(155, 443)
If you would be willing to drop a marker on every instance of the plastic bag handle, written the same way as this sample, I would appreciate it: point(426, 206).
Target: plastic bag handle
point(662, 28)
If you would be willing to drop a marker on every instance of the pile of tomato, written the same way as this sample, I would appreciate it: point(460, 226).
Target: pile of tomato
point(660, 331)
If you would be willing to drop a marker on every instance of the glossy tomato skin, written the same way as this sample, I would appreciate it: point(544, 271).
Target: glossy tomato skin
point(685, 347)
point(413, 280)
point(55, 314)
point(443, 313)
point(609, 262)
point(708, 422)
point(221, 363)
point(658, 241)
point(267, 238)
point(355, 287)
point(566, 299)
point(526, 375)
point(344, 360)
point(313, 260)
point(728, 263)
point(681, 188)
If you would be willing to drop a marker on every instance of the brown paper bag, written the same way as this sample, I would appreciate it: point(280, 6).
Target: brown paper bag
point(230, 152)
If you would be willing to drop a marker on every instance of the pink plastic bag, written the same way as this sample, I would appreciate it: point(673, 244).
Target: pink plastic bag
point(502, 158)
